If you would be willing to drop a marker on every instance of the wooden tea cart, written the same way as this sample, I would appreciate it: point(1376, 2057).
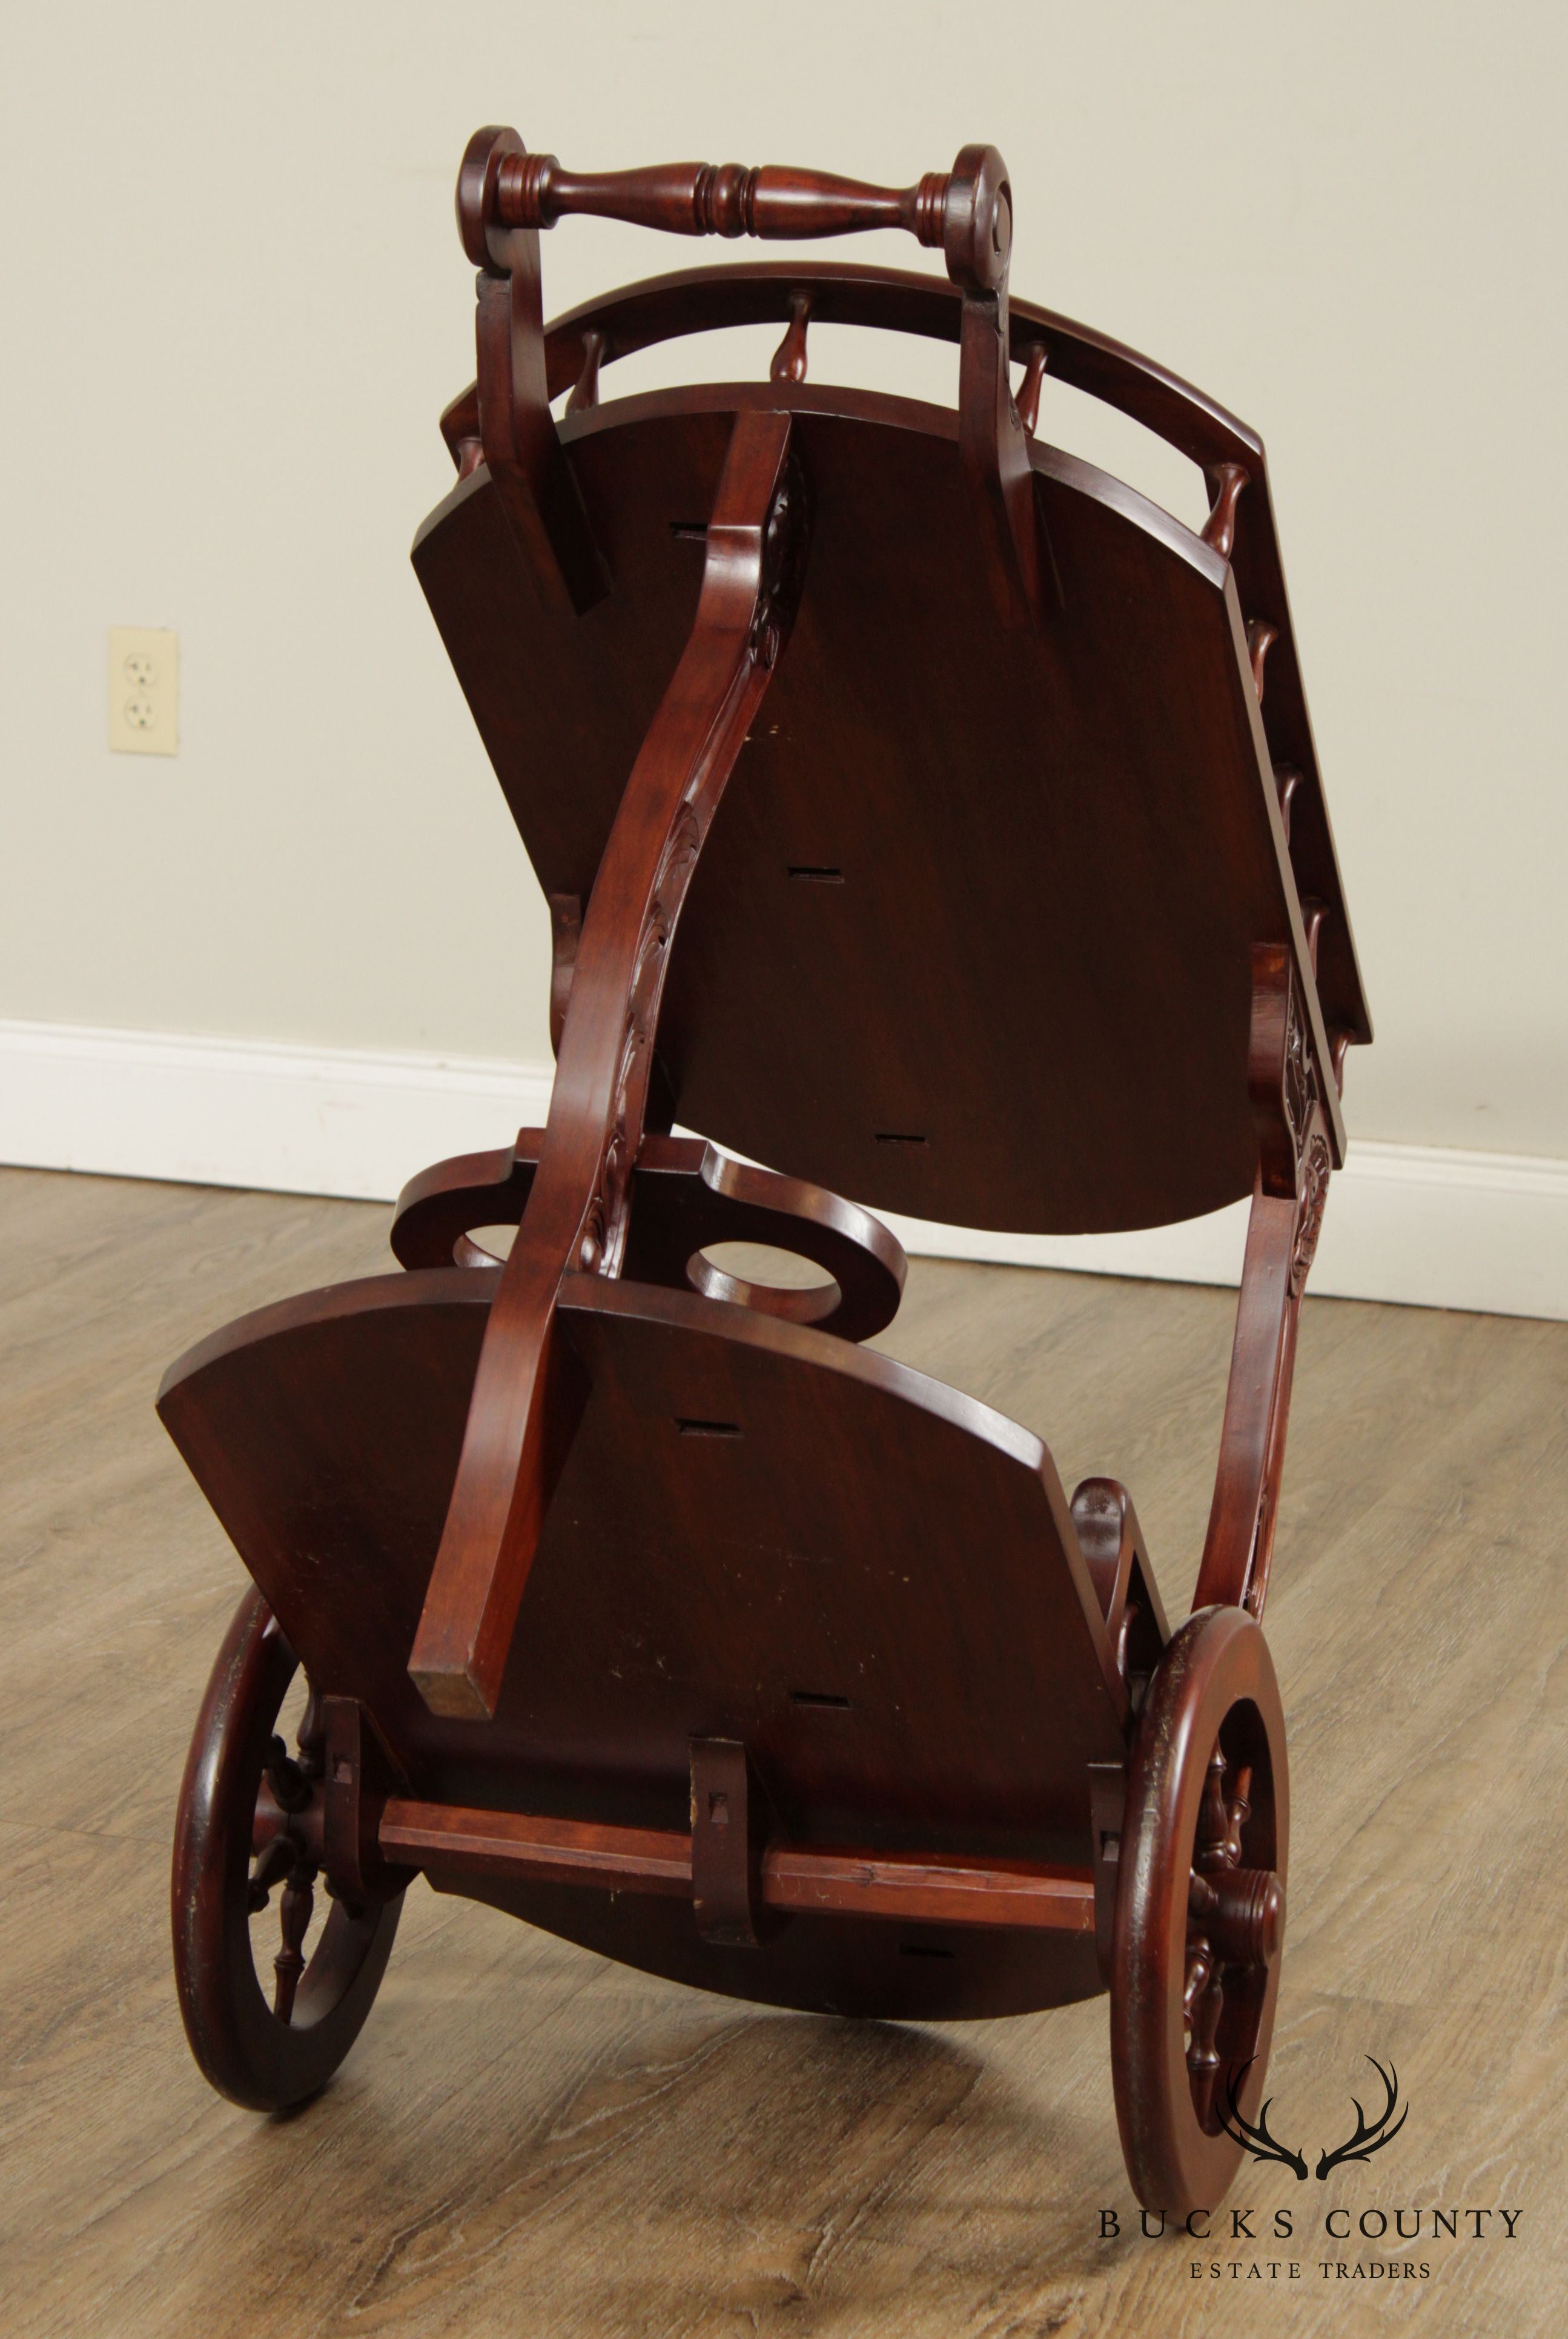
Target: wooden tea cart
point(915, 820)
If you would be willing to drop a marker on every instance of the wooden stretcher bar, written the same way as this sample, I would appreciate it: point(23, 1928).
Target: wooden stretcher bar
point(946, 1889)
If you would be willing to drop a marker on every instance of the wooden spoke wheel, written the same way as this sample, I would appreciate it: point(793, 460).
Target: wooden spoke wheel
point(1199, 1912)
point(250, 1822)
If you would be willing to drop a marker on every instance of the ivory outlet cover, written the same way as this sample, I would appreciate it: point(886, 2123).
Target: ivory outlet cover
point(143, 690)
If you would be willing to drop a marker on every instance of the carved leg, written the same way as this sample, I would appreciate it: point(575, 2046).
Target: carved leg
point(575, 1218)
point(1282, 1235)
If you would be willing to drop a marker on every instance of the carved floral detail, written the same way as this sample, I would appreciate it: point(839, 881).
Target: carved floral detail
point(1309, 1214)
point(1297, 1073)
point(783, 566)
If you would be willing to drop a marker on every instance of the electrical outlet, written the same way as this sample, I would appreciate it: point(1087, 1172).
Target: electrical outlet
point(143, 690)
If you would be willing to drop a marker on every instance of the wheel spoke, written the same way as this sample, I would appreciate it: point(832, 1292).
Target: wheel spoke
point(1216, 1853)
point(272, 1864)
point(1202, 2054)
point(311, 1735)
point(1200, 1967)
point(1237, 1813)
point(284, 1849)
point(289, 1784)
point(297, 1902)
point(1221, 1819)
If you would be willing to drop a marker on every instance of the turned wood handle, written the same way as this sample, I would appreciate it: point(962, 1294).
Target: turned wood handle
point(534, 190)
point(966, 213)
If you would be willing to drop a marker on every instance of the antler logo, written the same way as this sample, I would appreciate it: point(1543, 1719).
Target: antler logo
point(1255, 2140)
point(1366, 2140)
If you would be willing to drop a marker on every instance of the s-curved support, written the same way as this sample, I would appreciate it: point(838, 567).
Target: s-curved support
point(576, 1217)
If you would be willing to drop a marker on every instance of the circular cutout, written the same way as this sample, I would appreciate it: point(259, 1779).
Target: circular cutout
point(761, 1276)
point(485, 1246)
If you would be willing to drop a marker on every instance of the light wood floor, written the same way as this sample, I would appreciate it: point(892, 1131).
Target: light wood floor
point(528, 2140)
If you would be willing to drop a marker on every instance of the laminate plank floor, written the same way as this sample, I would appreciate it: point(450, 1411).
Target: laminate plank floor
point(526, 2139)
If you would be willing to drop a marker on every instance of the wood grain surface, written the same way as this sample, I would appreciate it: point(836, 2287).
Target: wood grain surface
point(528, 2140)
point(910, 1031)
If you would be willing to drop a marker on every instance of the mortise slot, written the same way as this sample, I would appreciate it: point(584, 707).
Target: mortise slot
point(689, 532)
point(819, 1697)
point(922, 1950)
point(808, 875)
point(707, 1428)
point(898, 1136)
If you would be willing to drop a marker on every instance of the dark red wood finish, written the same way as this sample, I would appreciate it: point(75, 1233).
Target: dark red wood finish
point(579, 1207)
point(506, 195)
point(760, 1533)
point(1228, 452)
point(689, 1197)
point(234, 1844)
point(951, 1889)
point(1200, 1915)
point(972, 935)
point(928, 817)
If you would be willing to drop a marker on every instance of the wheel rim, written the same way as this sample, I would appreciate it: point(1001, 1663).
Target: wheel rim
point(1201, 1910)
point(233, 1809)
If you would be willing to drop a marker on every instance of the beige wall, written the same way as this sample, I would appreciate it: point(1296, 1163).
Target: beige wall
point(234, 304)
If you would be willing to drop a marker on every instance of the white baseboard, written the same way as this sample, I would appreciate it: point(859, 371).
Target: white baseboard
point(1419, 1225)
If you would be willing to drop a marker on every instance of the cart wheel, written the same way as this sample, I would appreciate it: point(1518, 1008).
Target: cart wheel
point(1199, 1912)
point(249, 1821)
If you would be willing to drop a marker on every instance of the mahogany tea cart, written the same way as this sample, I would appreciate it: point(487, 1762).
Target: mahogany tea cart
point(915, 820)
